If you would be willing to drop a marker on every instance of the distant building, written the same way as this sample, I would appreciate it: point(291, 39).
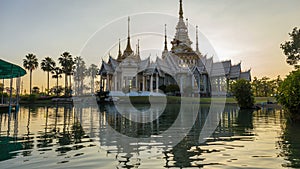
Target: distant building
point(180, 65)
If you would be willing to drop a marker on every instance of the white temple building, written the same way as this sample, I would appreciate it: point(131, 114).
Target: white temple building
point(181, 65)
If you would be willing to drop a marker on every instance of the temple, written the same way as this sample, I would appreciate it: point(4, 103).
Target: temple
point(181, 65)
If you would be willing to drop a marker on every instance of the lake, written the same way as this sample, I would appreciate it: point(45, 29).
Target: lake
point(144, 136)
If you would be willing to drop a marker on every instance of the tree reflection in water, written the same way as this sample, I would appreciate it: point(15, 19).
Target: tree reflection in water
point(290, 143)
point(47, 139)
point(8, 144)
point(28, 138)
point(61, 129)
point(189, 153)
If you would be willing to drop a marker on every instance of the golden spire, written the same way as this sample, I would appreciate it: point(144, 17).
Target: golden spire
point(166, 43)
point(138, 47)
point(187, 25)
point(180, 9)
point(120, 53)
point(128, 51)
point(197, 45)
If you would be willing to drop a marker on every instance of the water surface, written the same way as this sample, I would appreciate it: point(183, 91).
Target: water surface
point(92, 137)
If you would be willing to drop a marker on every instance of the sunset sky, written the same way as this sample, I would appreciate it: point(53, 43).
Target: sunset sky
point(244, 31)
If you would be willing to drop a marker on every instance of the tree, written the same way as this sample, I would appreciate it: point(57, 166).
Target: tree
point(48, 65)
point(278, 82)
point(172, 88)
point(92, 73)
point(242, 91)
point(30, 63)
point(79, 75)
point(57, 90)
point(265, 86)
point(36, 90)
point(1, 87)
point(256, 85)
point(291, 48)
point(289, 92)
point(162, 88)
point(67, 63)
point(56, 74)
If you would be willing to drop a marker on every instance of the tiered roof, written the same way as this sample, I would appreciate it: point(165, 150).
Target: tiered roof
point(170, 62)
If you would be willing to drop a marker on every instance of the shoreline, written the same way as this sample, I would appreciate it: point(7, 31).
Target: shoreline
point(259, 101)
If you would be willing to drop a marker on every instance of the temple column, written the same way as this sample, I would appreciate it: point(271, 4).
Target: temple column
point(193, 81)
point(205, 84)
point(199, 85)
point(151, 83)
point(115, 82)
point(107, 82)
point(136, 83)
point(143, 83)
point(181, 84)
point(100, 84)
point(125, 81)
point(219, 85)
point(193, 85)
point(157, 82)
point(227, 85)
point(122, 82)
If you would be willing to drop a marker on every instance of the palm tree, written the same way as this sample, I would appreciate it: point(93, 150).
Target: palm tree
point(67, 63)
point(79, 74)
point(92, 73)
point(56, 74)
point(30, 63)
point(48, 65)
point(70, 73)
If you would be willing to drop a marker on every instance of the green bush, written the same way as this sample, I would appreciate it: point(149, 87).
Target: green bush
point(162, 88)
point(32, 97)
point(172, 88)
point(289, 92)
point(4, 95)
point(242, 91)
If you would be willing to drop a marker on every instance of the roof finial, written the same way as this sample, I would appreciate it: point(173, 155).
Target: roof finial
point(187, 25)
point(166, 43)
point(128, 26)
point(120, 53)
point(197, 45)
point(180, 9)
point(138, 47)
point(128, 51)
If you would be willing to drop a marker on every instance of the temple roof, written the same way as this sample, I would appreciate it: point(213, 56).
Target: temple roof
point(218, 69)
point(181, 58)
point(114, 63)
point(246, 75)
point(105, 68)
point(181, 35)
point(144, 64)
point(235, 71)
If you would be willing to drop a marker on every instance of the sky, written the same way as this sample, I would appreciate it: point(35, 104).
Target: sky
point(244, 31)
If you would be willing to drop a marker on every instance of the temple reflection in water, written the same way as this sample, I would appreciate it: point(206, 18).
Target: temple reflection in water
point(64, 134)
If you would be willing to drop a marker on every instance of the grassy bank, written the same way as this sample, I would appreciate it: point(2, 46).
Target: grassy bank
point(170, 99)
point(174, 99)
